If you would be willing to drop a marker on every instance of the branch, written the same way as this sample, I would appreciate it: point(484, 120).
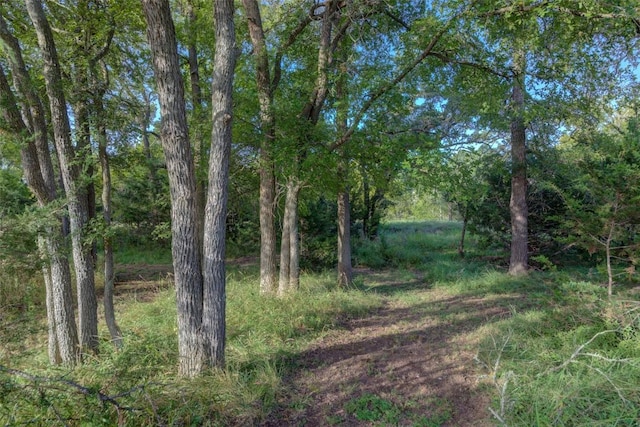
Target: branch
point(577, 13)
point(396, 19)
point(514, 8)
point(79, 388)
point(107, 44)
point(277, 66)
point(578, 352)
point(374, 96)
point(448, 60)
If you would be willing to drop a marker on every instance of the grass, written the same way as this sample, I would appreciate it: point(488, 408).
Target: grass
point(263, 336)
point(562, 354)
point(566, 354)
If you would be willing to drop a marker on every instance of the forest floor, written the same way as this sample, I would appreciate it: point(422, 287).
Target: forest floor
point(409, 363)
point(423, 338)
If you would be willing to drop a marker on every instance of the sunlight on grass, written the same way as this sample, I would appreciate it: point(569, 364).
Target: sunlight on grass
point(550, 347)
point(263, 335)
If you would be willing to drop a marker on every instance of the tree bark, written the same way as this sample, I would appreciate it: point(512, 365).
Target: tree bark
point(180, 168)
point(268, 268)
point(462, 235)
point(213, 322)
point(345, 270)
point(367, 203)
point(153, 186)
point(53, 349)
point(294, 238)
point(109, 273)
point(289, 250)
point(518, 263)
point(285, 251)
point(83, 149)
point(268, 126)
point(290, 241)
point(76, 194)
point(198, 113)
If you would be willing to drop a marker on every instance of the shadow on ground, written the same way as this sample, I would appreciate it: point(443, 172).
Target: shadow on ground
point(420, 356)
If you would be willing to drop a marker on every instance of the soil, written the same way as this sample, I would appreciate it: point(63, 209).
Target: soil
point(419, 356)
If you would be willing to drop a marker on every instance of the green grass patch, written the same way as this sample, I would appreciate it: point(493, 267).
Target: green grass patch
point(370, 407)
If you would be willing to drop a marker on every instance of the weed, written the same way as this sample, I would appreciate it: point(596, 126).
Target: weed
point(439, 412)
point(370, 407)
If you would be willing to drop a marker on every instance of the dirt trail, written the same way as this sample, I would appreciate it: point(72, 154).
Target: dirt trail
point(416, 351)
point(418, 355)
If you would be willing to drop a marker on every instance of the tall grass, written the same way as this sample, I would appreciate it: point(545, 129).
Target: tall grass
point(263, 336)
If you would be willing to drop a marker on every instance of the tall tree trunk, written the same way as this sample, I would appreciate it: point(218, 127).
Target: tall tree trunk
point(268, 126)
point(198, 136)
point(367, 203)
point(153, 187)
point(213, 322)
point(294, 238)
point(268, 251)
point(36, 163)
point(109, 273)
point(53, 349)
point(290, 243)
point(67, 335)
point(285, 251)
point(345, 270)
point(83, 151)
point(518, 263)
point(465, 220)
point(180, 168)
point(76, 194)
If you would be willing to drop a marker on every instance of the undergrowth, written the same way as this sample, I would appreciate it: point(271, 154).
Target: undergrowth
point(562, 353)
point(138, 385)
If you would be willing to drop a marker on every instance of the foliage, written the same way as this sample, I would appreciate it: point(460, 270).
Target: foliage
point(603, 204)
point(575, 351)
point(318, 233)
point(140, 198)
point(18, 226)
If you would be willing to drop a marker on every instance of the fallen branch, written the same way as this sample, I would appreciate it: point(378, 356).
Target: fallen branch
point(578, 352)
point(86, 391)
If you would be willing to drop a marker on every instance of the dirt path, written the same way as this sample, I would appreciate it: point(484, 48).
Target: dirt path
point(417, 356)
point(410, 363)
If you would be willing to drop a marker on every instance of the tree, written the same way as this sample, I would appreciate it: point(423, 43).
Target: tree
point(603, 200)
point(63, 339)
point(180, 167)
point(266, 90)
point(460, 180)
point(100, 82)
point(76, 193)
point(200, 285)
point(518, 262)
point(213, 324)
point(38, 170)
point(545, 51)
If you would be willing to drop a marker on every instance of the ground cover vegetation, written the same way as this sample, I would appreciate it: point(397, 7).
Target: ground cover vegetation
point(205, 159)
point(547, 349)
